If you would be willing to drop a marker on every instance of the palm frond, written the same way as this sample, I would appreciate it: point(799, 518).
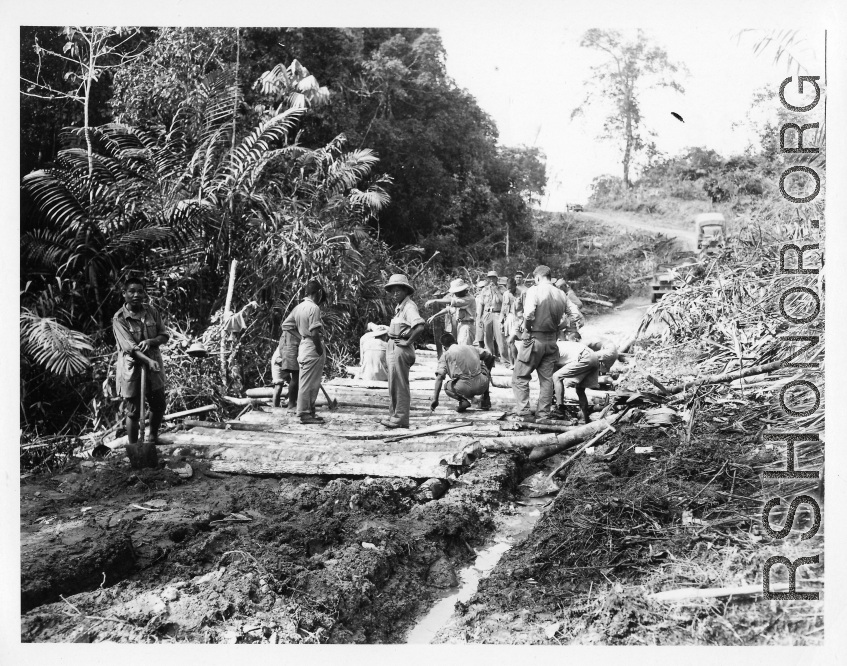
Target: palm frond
point(55, 347)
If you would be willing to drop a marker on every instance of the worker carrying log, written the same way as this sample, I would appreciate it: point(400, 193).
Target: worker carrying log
point(284, 365)
point(461, 306)
point(511, 315)
point(405, 327)
point(469, 369)
point(311, 355)
point(546, 309)
point(488, 307)
point(576, 366)
point(139, 333)
point(372, 345)
point(607, 351)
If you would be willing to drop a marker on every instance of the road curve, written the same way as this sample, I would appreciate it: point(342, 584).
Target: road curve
point(688, 239)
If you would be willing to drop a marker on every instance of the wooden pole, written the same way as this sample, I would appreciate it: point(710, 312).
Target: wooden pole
point(189, 412)
point(227, 313)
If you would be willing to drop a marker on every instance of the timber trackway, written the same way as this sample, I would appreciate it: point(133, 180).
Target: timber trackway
point(283, 533)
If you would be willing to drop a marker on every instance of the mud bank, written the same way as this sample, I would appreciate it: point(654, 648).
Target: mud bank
point(147, 557)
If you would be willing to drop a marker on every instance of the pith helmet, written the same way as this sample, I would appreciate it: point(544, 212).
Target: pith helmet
point(458, 285)
point(502, 281)
point(521, 273)
point(481, 284)
point(491, 274)
point(197, 350)
point(398, 279)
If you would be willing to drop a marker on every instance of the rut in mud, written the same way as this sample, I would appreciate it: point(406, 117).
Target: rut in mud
point(336, 560)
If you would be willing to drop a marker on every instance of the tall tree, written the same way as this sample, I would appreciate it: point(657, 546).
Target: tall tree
point(629, 67)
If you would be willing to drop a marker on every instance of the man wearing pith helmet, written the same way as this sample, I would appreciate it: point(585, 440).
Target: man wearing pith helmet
point(405, 327)
point(461, 303)
point(488, 311)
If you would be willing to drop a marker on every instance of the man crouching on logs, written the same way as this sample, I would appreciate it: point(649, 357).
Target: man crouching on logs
point(405, 327)
point(469, 368)
point(139, 332)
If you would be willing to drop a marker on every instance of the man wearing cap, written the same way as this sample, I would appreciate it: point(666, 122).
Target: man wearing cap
point(311, 355)
point(405, 327)
point(372, 346)
point(576, 366)
point(562, 284)
point(469, 369)
point(461, 303)
point(545, 307)
point(488, 308)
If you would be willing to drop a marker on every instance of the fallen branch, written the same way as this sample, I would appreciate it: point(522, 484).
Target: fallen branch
point(712, 592)
point(728, 377)
point(189, 412)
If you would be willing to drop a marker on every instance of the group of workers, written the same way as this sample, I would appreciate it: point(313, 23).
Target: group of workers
point(530, 324)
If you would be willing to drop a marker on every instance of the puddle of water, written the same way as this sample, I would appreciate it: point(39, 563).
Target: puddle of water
point(513, 530)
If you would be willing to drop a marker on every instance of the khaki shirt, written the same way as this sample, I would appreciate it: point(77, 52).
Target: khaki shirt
point(130, 328)
point(547, 307)
point(406, 317)
point(461, 362)
point(307, 318)
point(491, 298)
point(570, 351)
point(464, 309)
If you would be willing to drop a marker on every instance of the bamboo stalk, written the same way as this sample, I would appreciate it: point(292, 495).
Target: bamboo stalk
point(728, 377)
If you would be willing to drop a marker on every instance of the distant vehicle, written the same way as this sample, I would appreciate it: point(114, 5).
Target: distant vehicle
point(577, 208)
point(711, 229)
point(665, 274)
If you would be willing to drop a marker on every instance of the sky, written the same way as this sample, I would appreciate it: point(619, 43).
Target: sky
point(529, 76)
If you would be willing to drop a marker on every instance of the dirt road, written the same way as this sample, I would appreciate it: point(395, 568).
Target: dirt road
point(687, 238)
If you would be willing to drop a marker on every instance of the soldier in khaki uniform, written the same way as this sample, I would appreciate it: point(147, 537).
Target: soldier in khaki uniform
point(405, 327)
point(311, 355)
point(546, 310)
point(461, 307)
point(488, 307)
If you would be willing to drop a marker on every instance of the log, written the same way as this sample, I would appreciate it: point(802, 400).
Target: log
point(243, 402)
point(302, 449)
point(230, 425)
point(728, 377)
point(572, 438)
point(597, 301)
point(422, 470)
point(541, 427)
point(594, 440)
point(372, 415)
point(190, 412)
point(517, 444)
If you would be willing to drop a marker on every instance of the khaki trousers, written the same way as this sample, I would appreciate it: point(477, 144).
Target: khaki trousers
point(399, 359)
point(543, 359)
point(311, 370)
point(465, 335)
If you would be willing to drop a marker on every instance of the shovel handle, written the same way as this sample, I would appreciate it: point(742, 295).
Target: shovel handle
point(141, 410)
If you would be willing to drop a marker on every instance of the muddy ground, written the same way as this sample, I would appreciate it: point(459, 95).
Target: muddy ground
point(113, 555)
point(684, 512)
point(139, 557)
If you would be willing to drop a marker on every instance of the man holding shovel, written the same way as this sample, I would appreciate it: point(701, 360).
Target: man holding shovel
point(139, 371)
